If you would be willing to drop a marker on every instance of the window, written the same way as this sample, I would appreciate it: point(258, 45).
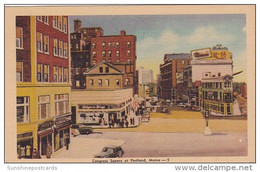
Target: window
point(94, 62)
point(77, 71)
point(46, 19)
point(60, 74)
point(60, 48)
point(77, 46)
point(39, 72)
point(61, 104)
point(94, 54)
point(91, 83)
point(59, 23)
point(109, 45)
point(19, 71)
point(46, 73)
point(219, 74)
point(128, 44)
point(94, 45)
point(77, 83)
point(183, 62)
point(19, 37)
point(65, 50)
point(65, 75)
point(128, 60)
point(22, 109)
point(128, 53)
point(109, 53)
point(107, 82)
point(103, 45)
point(103, 53)
point(46, 44)
point(117, 60)
point(117, 82)
point(107, 69)
point(117, 44)
point(117, 53)
point(54, 21)
point(127, 81)
point(44, 107)
point(55, 74)
point(55, 47)
point(100, 82)
point(39, 42)
point(101, 69)
point(64, 24)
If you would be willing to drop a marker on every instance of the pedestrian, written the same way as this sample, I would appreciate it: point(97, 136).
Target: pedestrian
point(67, 141)
point(126, 123)
point(18, 151)
point(48, 151)
point(36, 154)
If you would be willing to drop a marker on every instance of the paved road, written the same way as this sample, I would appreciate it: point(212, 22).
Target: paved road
point(146, 144)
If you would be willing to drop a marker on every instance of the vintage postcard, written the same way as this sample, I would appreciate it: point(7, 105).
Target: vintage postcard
point(130, 84)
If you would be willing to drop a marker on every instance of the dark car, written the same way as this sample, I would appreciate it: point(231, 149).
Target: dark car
point(77, 129)
point(110, 152)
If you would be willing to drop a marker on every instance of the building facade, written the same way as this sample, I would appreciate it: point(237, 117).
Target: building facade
point(105, 102)
point(171, 84)
point(119, 50)
point(43, 85)
point(80, 41)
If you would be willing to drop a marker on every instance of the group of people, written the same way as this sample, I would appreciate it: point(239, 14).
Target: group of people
point(124, 122)
point(36, 154)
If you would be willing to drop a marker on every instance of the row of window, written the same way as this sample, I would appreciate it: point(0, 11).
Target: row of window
point(60, 48)
point(44, 108)
point(216, 85)
point(117, 61)
point(58, 22)
point(100, 82)
point(111, 45)
point(60, 74)
point(109, 53)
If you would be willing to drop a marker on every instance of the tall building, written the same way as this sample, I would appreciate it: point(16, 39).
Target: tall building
point(43, 84)
point(171, 86)
point(145, 76)
point(119, 50)
point(80, 52)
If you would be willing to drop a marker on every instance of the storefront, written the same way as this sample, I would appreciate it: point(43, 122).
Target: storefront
point(61, 129)
point(24, 145)
point(45, 136)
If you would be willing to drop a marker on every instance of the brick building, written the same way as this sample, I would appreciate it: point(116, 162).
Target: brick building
point(119, 50)
point(43, 86)
point(172, 76)
point(80, 52)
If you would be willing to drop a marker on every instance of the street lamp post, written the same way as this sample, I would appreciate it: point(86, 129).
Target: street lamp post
point(207, 130)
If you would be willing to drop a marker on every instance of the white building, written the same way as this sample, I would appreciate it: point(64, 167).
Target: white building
point(145, 76)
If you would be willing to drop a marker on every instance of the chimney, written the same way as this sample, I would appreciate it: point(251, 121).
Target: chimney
point(98, 33)
point(122, 32)
point(77, 25)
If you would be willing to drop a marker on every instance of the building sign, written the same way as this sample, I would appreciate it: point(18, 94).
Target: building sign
point(220, 54)
point(45, 125)
point(29, 134)
point(179, 77)
point(85, 106)
point(63, 121)
point(201, 53)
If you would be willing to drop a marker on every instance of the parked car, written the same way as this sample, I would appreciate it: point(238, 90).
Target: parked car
point(196, 108)
point(110, 152)
point(181, 105)
point(77, 130)
point(165, 110)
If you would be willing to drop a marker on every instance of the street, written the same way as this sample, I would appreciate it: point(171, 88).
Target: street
point(147, 144)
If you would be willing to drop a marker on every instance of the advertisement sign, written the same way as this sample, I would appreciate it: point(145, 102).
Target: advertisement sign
point(201, 53)
point(220, 54)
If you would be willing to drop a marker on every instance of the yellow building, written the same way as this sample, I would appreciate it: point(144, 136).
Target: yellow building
point(43, 96)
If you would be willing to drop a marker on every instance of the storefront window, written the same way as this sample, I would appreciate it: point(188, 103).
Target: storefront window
point(22, 109)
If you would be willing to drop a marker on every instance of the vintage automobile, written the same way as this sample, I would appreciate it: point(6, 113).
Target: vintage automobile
point(110, 152)
point(165, 110)
point(77, 130)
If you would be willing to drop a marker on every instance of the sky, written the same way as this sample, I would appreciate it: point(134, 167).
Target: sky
point(165, 34)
